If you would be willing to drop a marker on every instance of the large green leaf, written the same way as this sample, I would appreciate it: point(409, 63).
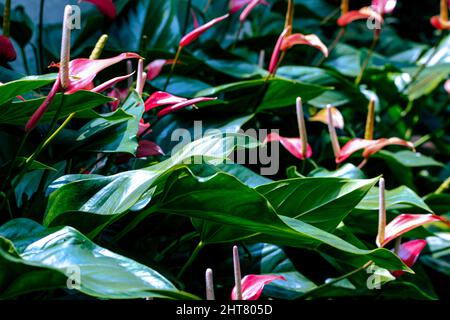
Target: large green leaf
point(401, 198)
point(280, 93)
point(118, 134)
point(107, 197)
point(19, 113)
point(35, 258)
point(12, 89)
point(322, 202)
point(155, 20)
point(240, 212)
point(407, 158)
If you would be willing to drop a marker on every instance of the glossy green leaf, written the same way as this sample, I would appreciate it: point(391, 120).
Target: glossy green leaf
point(19, 113)
point(322, 202)
point(240, 212)
point(12, 89)
point(401, 198)
point(116, 135)
point(65, 251)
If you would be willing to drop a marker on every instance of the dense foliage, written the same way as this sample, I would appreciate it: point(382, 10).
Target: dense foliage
point(115, 171)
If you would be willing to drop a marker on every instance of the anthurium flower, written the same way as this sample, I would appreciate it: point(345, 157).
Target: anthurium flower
point(310, 40)
point(37, 115)
point(110, 83)
point(106, 7)
point(322, 116)
point(155, 67)
point(248, 9)
point(148, 149)
point(143, 128)
point(197, 32)
point(439, 23)
point(119, 95)
point(83, 71)
point(293, 145)
point(361, 14)
point(370, 147)
point(236, 5)
point(404, 223)
point(161, 98)
point(7, 51)
point(181, 105)
point(194, 19)
point(384, 6)
point(447, 86)
point(253, 286)
point(276, 52)
point(409, 253)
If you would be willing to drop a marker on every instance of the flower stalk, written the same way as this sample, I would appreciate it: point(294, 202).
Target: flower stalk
point(7, 18)
point(370, 122)
point(344, 6)
point(99, 46)
point(209, 285)
point(237, 273)
point(381, 212)
point(444, 10)
point(172, 67)
point(332, 131)
point(140, 77)
point(289, 17)
point(302, 125)
point(65, 48)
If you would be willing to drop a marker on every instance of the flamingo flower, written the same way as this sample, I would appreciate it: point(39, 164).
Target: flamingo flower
point(7, 51)
point(441, 22)
point(106, 7)
point(293, 145)
point(404, 223)
point(447, 86)
point(172, 103)
point(370, 147)
point(384, 6)
point(197, 32)
point(155, 67)
point(82, 72)
point(253, 286)
point(286, 42)
point(249, 8)
point(236, 5)
point(409, 253)
point(310, 40)
point(336, 115)
point(361, 14)
point(148, 149)
point(298, 147)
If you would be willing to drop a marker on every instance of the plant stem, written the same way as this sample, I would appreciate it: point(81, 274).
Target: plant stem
point(191, 260)
point(31, 158)
point(368, 57)
point(443, 187)
point(174, 244)
point(6, 18)
point(25, 60)
point(11, 167)
point(52, 136)
point(172, 68)
point(336, 280)
point(236, 38)
point(332, 45)
point(40, 35)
